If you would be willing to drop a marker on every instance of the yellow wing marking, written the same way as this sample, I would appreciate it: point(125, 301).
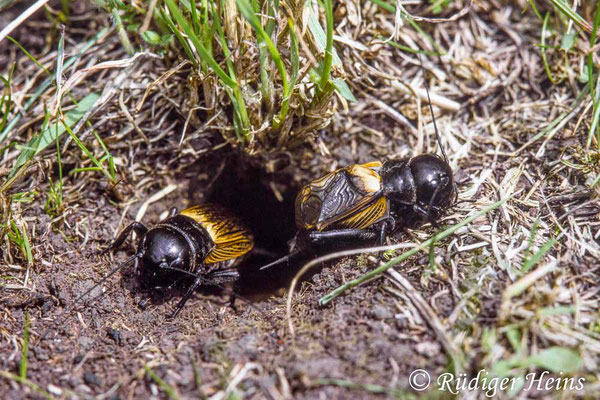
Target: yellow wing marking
point(362, 214)
point(372, 180)
point(365, 217)
point(232, 239)
point(324, 180)
point(365, 178)
point(372, 164)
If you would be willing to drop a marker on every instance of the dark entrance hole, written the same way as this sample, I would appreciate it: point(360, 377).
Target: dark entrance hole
point(246, 189)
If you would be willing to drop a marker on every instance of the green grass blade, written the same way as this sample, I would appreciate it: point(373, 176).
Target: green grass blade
point(44, 86)
point(594, 89)
point(271, 24)
point(590, 56)
point(249, 14)
point(195, 20)
point(396, 260)
point(59, 197)
point(427, 36)
point(328, 59)
point(343, 89)
point(535, 259)
point(32, 58)
point(535, 10)
point(543, 49)
point(200, 48)
point(59, 72)
point(386, 6)
point(367, 387)
point(107, 157)
point(27, 247)
point(6, 101)
point(565, 9)
point(595, 114)
point(294, 53)
point(163, 385)
point(121, 31)
point(10, 376)
point(410, 50)
point(25, 352)
point(321, 42)
point(85, 150)
point(48, 135)
point(188, 51)
point(320, 36)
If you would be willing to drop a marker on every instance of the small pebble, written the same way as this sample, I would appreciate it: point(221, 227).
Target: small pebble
point(91, 379)
point(115, 335)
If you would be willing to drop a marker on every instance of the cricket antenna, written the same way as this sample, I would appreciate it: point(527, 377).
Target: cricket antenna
point(105, 278)
point(437, 133)
point(279, 260)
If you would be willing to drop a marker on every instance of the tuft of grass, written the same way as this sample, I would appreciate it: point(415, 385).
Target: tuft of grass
point(45, 85)
point(264, 39)
point(53, 128)
point(50, 132)
point(208, 34)
point(591, 73)
point(18, 236)
point(54, 199)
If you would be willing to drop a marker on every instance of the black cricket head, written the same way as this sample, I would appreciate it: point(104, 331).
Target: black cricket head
point(161, 250)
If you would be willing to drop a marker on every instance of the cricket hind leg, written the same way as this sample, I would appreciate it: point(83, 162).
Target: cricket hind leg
point(337, 239)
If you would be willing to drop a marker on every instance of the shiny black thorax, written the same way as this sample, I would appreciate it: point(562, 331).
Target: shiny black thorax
point(177, 242)
point(419, 188)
